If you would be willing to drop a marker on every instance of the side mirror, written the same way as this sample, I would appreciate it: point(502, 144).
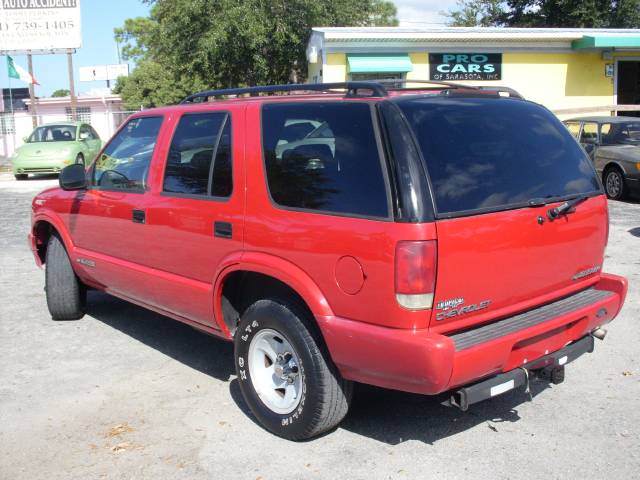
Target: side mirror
point(73, 177)
point(84, 136)
point(25, 139)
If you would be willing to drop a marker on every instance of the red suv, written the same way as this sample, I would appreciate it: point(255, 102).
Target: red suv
point(435, 240)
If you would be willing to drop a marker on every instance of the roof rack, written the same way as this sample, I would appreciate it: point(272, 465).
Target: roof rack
point(375, 89)
point(431, 82)
point(488, 88)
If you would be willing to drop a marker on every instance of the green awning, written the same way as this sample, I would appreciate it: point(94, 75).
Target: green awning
point(368, 63)
point(606, 41)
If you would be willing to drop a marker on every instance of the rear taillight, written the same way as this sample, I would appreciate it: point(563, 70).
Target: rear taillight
point(416, 263)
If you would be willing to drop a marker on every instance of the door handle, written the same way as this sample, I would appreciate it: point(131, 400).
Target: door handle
point(138, 216)
point(222, 230)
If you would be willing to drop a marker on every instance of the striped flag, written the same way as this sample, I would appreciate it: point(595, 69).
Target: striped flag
point(17, 72)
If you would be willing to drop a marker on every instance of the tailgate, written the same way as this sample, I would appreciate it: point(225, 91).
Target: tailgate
point(495, 264)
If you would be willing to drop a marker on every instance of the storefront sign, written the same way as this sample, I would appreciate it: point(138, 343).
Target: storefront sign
point(465, 66)
point(37, 25)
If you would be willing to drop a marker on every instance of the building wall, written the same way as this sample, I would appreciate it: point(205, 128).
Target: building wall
point(335, 70)
point(556, 80)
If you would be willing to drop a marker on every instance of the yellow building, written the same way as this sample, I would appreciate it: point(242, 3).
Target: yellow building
point(571, 71)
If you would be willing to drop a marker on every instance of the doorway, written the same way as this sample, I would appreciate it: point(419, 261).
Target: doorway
point(628, 85)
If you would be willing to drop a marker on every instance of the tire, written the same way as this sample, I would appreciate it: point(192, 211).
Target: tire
point(323, 395)
point(66, 295)
point(614, 185)
point(21, 176)
point(80, 159)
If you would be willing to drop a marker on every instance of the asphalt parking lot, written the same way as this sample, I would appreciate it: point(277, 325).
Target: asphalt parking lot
point(128, 394)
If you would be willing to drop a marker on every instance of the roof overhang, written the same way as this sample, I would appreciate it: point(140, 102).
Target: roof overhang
point(399, 39)
point(607, 41)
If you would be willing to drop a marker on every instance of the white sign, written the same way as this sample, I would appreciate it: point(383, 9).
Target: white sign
point(39, 25)
point(104, 72)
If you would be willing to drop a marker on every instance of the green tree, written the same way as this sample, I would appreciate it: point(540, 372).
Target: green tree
point(547, 13)
point(476, 13)
point(62, 92)
point(188, 45)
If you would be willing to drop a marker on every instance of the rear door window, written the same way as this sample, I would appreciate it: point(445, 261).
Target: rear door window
point(199, 159)
point(324, 157)
point(589, 133)
point(487, 154)
point(124, 163)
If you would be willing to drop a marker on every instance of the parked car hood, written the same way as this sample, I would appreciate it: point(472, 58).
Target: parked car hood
point(45, 149)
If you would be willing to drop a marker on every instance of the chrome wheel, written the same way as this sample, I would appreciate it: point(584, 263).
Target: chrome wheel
point(274, 371)
point(613, 184)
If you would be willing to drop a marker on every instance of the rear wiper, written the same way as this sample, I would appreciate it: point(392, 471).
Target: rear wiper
point(566, 207)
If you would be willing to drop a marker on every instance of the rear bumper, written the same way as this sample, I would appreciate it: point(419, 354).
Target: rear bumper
point(424, 362)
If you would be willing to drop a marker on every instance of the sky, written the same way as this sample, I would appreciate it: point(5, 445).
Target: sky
point(100, 17)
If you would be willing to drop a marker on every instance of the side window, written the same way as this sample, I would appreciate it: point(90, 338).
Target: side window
point(86, 133)
point(94, 133)
point(199, 160)
point(589, 133)
point(574, 129)
point(333, 167)
point(607, 136)
point(124, 163)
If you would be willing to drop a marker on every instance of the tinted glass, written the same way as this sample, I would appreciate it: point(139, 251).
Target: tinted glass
point(190, 163)
point(334, 166)
point(496, 153)
point(124, 163)
point(53, 133)
point(620, 133)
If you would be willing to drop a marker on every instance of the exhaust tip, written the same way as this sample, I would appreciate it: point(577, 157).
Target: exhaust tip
point(599, 333)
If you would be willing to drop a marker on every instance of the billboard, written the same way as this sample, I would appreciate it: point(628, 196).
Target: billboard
point(465, 66)
point(104, 72)
point(39, 26)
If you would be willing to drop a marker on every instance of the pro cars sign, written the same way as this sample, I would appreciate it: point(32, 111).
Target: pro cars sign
point(465, 66)
point(39, 25)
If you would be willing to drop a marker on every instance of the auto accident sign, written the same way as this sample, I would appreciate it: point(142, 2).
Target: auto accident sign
point(465, 66)
point(39, 26)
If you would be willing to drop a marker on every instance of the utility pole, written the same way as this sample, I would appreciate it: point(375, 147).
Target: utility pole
point(32, 94)
point(72, 88)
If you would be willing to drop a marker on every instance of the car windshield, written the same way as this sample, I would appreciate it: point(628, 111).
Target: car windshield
point(620, 133)
point(487, 154)
point(53, 133)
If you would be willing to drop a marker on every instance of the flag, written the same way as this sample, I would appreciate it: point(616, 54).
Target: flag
point(15, 71)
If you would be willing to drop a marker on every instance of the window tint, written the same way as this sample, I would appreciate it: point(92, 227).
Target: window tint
point(620, 133)
point(333, 166)
point(190, 166)
point(487, 153)
point(53, 133)
point(124, 163)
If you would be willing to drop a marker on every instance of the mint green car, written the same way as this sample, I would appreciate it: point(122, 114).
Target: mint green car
point(53, 146)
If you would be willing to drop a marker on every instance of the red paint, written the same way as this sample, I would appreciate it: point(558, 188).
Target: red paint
point(343, 268)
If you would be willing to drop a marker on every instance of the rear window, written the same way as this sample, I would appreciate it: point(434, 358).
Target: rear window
point(324, 157)
point(485, 154)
